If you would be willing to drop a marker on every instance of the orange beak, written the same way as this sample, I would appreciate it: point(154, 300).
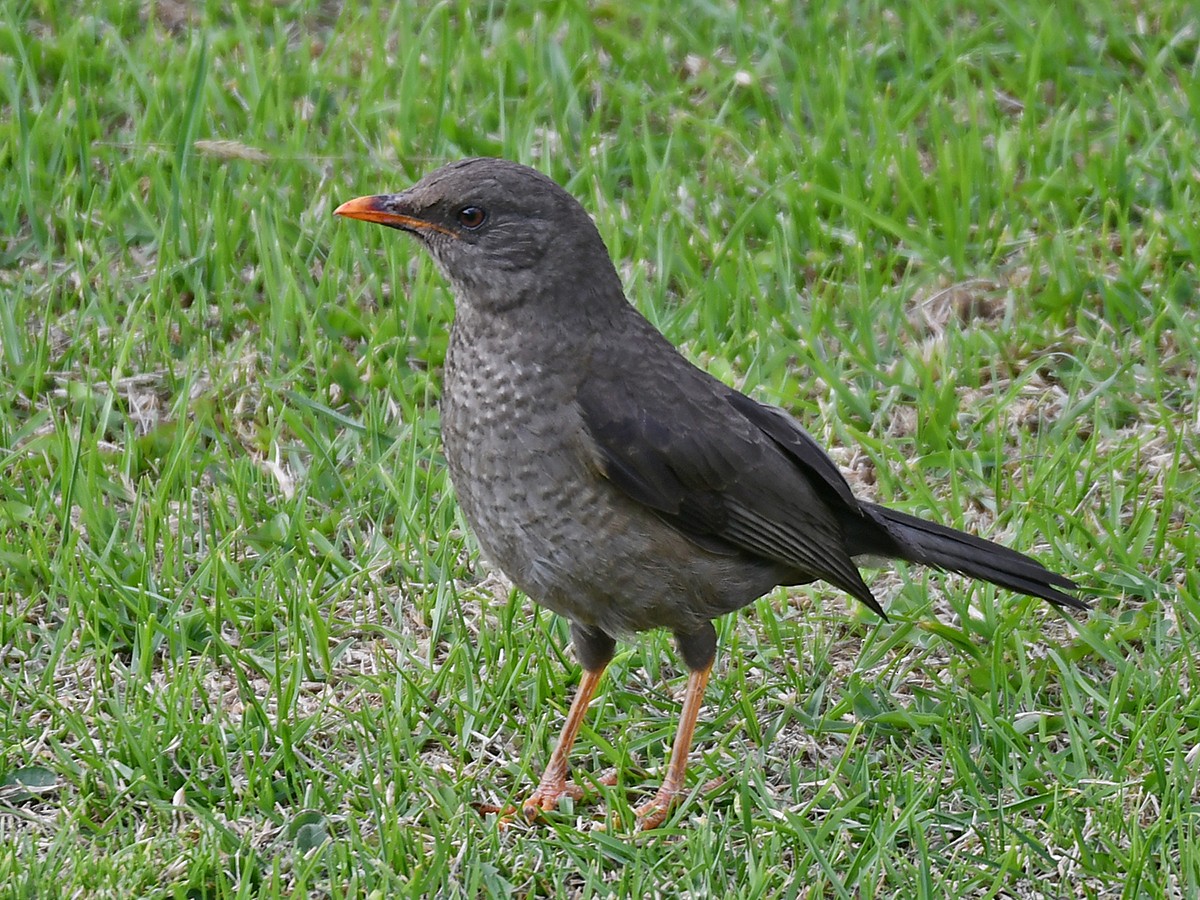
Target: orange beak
point(382, 210)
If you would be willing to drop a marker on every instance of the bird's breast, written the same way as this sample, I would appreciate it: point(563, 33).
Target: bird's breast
point(511, 438)
point(542, 512)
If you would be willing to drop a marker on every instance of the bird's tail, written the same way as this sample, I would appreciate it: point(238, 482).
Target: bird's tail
point(935, 545)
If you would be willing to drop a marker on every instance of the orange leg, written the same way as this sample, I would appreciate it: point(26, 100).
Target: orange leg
point(554, 784)
point(654, 813)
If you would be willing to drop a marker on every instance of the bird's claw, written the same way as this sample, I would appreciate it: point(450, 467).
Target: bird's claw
point(547, 796)
point(654, 813)
point(651, 815)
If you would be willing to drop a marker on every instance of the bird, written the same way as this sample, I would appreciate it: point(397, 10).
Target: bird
point(613, 481)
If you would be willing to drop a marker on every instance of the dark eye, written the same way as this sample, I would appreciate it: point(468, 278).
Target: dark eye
point(471, 217)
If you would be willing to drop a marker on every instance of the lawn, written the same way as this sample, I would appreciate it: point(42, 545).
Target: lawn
point(247, 645)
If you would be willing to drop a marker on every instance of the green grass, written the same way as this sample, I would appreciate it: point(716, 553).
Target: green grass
point(247, 648)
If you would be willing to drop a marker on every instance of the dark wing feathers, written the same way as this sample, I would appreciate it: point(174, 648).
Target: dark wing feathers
point(634, 453)
point(795, 442)
point(875, 530)
point(736, 476)
point(717, 478)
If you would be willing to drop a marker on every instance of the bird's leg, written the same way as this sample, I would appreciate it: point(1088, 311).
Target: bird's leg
point(654, 813)
point(698, 649)
point(554, 784)
point(594, 650)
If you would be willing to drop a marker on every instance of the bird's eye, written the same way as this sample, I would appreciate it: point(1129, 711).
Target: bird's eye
point(471, 217)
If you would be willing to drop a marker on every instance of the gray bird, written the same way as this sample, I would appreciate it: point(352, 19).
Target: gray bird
point(610, 479)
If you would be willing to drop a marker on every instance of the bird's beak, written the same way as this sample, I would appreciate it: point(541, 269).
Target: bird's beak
point(387, 209)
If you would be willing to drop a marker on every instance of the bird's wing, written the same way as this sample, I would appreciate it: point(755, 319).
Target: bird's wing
point(723, 470)
point(796, 443)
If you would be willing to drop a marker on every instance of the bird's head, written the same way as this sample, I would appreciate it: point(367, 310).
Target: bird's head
point(502, 233)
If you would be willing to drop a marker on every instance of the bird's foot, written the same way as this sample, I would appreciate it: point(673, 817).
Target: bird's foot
point(547, 796)
point(545, 799)
point(654, 813)
point(553, 787)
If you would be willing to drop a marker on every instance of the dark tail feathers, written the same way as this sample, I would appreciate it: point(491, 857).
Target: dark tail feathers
point(935, 545)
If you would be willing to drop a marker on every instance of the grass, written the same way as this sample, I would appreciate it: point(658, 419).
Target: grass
point(248, 650)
